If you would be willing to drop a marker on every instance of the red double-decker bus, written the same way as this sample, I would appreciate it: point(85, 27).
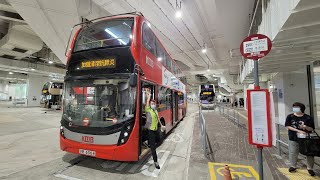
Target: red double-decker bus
point(111, 62)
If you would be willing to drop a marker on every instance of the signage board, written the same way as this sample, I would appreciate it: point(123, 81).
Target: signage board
point(259, 121)
point(255, 46)
point(98, 63)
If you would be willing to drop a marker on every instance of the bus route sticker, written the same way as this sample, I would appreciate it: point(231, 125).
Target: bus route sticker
point(236, 171)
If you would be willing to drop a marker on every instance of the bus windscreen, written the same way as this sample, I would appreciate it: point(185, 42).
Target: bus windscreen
point(107, 33)
point(101, 102)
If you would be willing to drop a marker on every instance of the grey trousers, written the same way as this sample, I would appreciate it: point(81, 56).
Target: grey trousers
point(293, 155)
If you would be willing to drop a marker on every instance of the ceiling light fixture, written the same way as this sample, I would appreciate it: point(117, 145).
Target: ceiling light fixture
point(32, 69)
point(50, 62)
point(178, 12)
point(159, 58)
point(10, 72)
point(204, 49)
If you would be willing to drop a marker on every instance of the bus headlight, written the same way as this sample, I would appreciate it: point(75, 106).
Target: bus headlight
point(62, 131)
point(125, 133)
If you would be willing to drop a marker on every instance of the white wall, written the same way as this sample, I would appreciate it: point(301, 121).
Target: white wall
point(35, 85)
point(291, 87)
point(4, 91)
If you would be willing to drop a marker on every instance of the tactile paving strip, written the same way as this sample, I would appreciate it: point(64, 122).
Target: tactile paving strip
point(301, 174)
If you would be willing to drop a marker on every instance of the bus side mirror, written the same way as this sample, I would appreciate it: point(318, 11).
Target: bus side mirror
point(133, 80)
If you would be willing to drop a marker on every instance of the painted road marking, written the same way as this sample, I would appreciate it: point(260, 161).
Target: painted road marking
point(65, 177)
point(300, 174)
point(236, 171)
point(144, 167)
point(155, 172)
point(123, 165)
point(176, 137)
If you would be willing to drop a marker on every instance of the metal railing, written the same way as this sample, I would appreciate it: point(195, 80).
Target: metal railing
point(280, 142)
point(231, 114)
point(206, 146)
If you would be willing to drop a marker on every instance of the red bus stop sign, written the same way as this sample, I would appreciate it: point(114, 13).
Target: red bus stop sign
point(255, 46)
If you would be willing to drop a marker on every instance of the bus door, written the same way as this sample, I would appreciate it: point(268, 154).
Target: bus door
point(143, 132)
point(174, 107)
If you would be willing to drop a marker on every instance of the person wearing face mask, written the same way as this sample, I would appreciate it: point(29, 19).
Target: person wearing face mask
point(298, 123)
point(152, 126)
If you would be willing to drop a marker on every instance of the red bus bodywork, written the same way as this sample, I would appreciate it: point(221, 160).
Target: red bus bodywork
point(130, 150)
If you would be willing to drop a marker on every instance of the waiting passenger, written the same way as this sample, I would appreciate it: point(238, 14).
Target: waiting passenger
point(301, 123)
point(152, 126)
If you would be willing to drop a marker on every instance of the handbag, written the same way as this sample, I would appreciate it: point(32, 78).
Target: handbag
point(310, 145)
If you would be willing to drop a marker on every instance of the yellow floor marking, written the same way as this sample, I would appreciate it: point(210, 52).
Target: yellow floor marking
point(301, 174)
point(241, 171)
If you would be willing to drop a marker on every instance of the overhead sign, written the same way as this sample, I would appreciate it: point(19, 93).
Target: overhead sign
point(259, 123)
point(255, 46)
point(98, 63)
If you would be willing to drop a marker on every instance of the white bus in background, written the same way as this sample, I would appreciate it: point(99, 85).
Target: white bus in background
point(207, 96)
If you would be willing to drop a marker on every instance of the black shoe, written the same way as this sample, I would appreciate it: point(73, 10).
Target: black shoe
point(292, 169)
point(157, 165)
point(311, 172)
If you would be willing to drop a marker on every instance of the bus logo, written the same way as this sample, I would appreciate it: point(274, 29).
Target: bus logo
point(87, 139)
point(149, 61)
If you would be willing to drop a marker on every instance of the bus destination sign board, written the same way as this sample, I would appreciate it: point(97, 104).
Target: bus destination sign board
point(98, 63)
point(207, 93)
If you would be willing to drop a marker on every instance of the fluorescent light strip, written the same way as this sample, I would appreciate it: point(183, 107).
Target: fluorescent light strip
point(113, 35)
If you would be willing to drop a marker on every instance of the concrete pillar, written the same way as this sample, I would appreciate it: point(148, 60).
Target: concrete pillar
point(34, 86)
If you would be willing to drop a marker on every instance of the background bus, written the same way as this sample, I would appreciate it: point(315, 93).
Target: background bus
point(111, 61)
point(207, 96)
point(51, 95)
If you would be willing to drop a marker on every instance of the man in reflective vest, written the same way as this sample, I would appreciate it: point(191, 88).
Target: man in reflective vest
point(152, 126)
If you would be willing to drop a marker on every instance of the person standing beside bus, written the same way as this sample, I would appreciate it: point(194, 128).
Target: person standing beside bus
point(298, 123)
point(152, 126)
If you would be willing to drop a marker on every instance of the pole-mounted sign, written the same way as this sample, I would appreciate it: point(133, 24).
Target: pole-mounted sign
point(255, 47)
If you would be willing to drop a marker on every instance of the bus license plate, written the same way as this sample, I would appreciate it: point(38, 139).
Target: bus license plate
point(87, 152)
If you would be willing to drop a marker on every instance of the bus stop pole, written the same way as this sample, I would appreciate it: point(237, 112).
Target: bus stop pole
point(256, 86)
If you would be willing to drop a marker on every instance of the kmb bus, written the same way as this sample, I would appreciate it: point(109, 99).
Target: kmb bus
point(207, 95)
point(111, 62)
point(51, 95)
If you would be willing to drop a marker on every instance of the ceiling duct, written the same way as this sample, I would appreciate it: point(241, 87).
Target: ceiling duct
point(201, 78)
point(20, 42)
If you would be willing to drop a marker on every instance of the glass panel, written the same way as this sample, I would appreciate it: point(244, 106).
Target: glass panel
point(316, 71)
point(108, 33)
point(161, 53)
point(102, 102)
point(169, 61)
point(148, 39)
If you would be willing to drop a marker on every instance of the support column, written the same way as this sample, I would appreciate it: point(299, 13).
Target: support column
point(34, 87)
